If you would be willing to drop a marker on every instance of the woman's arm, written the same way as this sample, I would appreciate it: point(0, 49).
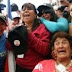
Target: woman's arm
point(39, 40)
point(60, 25)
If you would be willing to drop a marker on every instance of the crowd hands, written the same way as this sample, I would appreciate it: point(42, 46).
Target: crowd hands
point(45, 43)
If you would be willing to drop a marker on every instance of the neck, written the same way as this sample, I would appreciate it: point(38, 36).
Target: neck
point(64, 62)
point(29, 24)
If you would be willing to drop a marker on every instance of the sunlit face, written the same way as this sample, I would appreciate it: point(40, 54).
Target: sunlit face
point(62, 48)
point(2, 27)
point(71, 10)
point(28, 15)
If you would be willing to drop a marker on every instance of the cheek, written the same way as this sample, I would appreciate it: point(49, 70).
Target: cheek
point(71, 13)
point(22, 15)
point(55, 48)
point(4, 27)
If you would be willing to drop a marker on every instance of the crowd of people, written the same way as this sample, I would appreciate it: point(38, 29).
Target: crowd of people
point(40, 41)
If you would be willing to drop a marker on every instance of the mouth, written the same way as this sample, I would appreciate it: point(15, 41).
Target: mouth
point(61, 51)
point(26, 15)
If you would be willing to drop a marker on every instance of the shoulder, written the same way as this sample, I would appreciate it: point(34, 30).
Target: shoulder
point(62, 19)
point(44, 65)
point(46, 62)
point(42, 25)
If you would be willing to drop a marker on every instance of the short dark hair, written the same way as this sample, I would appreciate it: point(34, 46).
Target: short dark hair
point(61, 35)
point(29, 5)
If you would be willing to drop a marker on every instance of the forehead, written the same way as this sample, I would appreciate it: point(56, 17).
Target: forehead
point(61, 39)
point(28, 6)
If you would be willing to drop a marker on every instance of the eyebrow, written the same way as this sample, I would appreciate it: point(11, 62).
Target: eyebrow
point(58, 40)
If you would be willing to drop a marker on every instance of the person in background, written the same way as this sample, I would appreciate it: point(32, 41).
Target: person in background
point(16, 19)
point(60, 24)
point(3, 41)
point(61, 43)
point(70, 24)
point(38, 40)
point(64, 2)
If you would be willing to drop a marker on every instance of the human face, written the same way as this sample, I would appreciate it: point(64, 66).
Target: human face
point(62, 48)
point(28, 15)
point(71, 10)
point(16, 21)
point(47, 16)
point(59, 13)
point(2, 27)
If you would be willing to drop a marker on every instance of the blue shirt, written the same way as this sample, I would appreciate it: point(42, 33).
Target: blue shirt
point(3, 43)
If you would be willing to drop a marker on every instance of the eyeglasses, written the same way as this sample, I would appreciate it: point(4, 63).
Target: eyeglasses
point(46, 11)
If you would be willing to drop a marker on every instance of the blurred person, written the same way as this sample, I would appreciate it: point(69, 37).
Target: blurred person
point(53, 24)
point(38, 40)
point(70, 24)
point(3, 41)
point(62, 11)
point(61, 43)
point(15, 19)
point(64, 2)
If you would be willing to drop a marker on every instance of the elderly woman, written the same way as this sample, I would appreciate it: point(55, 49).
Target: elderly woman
point(62, 46)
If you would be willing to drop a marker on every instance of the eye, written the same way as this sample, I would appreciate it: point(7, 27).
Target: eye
point(28, 8)
point(56, 43)
point(65, 42)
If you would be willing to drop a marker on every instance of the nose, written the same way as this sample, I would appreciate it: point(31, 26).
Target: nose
point(60, 45)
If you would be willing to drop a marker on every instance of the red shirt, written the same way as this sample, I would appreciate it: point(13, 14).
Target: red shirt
point(47, 66)
point(38, 48)
point(38, 43)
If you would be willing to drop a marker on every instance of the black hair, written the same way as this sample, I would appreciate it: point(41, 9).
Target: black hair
point(36, 21)
point(61, 35)
point(29, 5)
point(47, 9)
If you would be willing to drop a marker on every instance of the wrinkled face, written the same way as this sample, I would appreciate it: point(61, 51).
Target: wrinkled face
point(71, 10)
point(2, 27)
point(62, 48)
point(28, 15)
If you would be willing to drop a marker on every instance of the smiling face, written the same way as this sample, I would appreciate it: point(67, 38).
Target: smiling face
point(62, 48)
point(47, 16)
point(28, 13)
